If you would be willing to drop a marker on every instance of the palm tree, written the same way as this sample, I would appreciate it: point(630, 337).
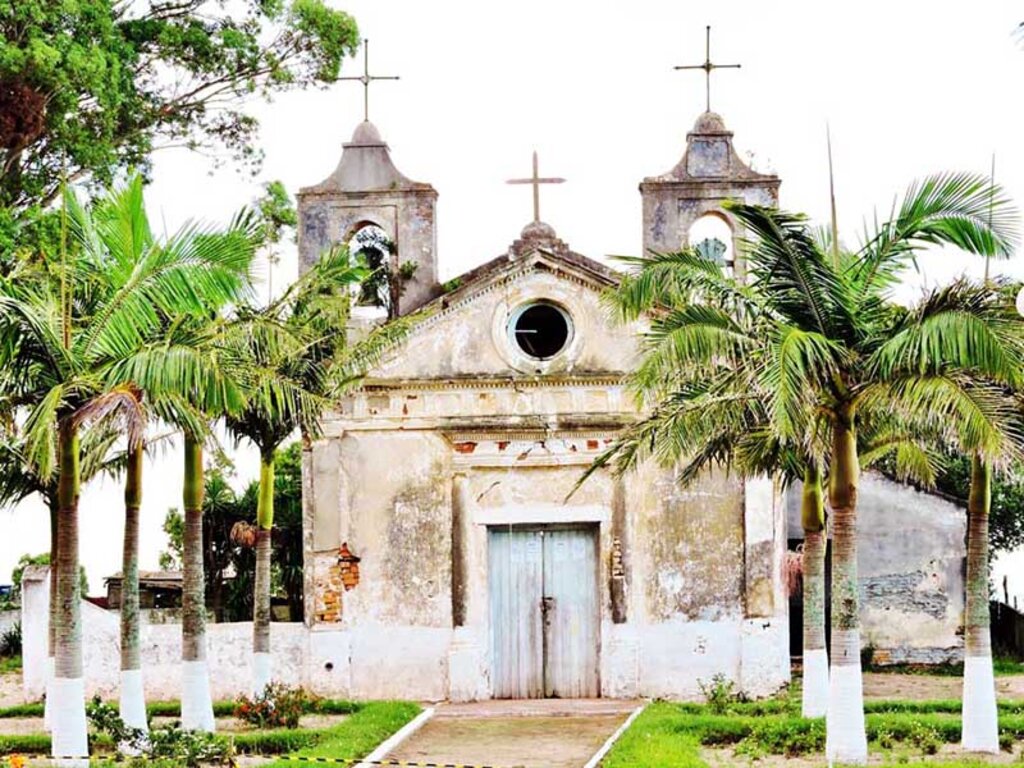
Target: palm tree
point(989, 429)
point(62, 341)
point(19, 481)
point(294, 356)
point(815, 336)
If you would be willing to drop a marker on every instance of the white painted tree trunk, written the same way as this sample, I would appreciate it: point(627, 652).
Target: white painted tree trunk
point(196, 703)
point(815, 683)
point(70, 746)
point(846, 740)
point(132, 703)
point(980, 716)
point(846, 737)
point(815, 656)
point(262, 672)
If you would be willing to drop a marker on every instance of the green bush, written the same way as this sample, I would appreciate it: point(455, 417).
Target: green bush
point(719, 693)
point(791, 738)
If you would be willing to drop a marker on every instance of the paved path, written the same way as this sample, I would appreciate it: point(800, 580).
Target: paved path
point(540, 733)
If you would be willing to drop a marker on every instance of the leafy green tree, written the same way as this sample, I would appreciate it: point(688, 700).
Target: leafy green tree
point(223, 507)
point(813, 337)
point(174, 527)
point(88, 87)
point(277, 216)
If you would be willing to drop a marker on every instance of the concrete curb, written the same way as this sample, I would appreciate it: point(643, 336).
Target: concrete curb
point(391, 743)
point(594, 761)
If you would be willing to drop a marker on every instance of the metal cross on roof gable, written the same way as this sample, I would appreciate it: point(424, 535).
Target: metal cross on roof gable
point(536, 181)
point(366, 78)
point(707, 66)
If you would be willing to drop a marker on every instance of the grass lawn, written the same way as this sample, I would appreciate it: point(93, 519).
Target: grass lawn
point(10, 664)
point(358, 735)
point(692, 736)
point(368, 724)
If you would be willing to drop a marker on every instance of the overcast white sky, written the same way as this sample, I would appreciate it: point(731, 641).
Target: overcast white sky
point(908, 88)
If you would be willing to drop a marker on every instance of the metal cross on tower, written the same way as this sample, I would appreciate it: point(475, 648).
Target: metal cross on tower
point(366, 78)
point(707, 66)
point(536, 181)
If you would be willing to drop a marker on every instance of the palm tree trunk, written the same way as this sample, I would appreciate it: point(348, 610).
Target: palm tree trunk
point(261, 657)
point(196, 703)
point(815, 654)
point(980, 719)
point(133, 698)
point(846, 740)
point(51, 622)
point(68, 715)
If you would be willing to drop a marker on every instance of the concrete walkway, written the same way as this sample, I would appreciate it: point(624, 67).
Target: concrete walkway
point(537, 733)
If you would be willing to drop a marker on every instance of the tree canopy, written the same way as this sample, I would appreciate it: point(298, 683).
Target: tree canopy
point(88, 87)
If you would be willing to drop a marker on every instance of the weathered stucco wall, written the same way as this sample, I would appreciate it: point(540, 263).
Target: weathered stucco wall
point(910, 560)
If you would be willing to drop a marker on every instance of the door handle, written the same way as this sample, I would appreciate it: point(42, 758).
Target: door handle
point(547, 604)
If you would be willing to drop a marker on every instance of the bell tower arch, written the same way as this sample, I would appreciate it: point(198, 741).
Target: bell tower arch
point(709, 173)
point(367, 190)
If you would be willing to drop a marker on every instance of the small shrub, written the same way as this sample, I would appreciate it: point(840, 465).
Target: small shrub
point(886, 739)
point(279, 706)
point(189, 748)
point(10, 641)
point(925, 738)
point(169, 744)
point(1006, 742)
point(106, 719)
point(718, 693)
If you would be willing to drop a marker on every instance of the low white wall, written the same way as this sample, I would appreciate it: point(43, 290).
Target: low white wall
point(426, 663)
point(229, 650)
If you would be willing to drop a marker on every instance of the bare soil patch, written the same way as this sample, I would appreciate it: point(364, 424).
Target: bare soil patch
point(885, 685)
point(530, 742)
point(11, 692)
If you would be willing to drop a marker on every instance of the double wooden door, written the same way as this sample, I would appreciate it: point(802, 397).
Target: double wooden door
point(544, 612)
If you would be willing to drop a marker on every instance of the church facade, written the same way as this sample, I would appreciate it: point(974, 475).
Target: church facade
point(447, 555)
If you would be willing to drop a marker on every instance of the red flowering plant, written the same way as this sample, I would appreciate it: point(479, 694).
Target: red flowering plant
point(278, 706)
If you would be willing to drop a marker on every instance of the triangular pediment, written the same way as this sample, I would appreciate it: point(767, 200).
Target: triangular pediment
point(466, 332)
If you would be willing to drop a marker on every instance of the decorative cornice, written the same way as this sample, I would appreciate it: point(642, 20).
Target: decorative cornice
point(376, 384)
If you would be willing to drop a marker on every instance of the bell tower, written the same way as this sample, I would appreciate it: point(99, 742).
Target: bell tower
point(709, 173)
point(367, 190)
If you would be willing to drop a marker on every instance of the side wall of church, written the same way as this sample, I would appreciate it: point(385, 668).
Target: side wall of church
point(910, 560)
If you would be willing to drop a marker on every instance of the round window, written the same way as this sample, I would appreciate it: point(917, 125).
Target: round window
point(541, 330)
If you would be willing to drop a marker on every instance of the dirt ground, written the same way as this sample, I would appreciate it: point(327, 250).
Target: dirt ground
point(931, 687)
point(10, 690)
point(537, 734)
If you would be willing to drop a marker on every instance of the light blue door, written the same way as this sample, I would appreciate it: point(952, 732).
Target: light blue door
point(544, 612)
point(570, 614)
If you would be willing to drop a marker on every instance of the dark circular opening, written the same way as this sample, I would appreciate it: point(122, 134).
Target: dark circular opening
point(329, 666)
point(541, 330)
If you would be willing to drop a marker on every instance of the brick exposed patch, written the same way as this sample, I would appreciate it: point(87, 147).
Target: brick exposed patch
point(328, 586)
